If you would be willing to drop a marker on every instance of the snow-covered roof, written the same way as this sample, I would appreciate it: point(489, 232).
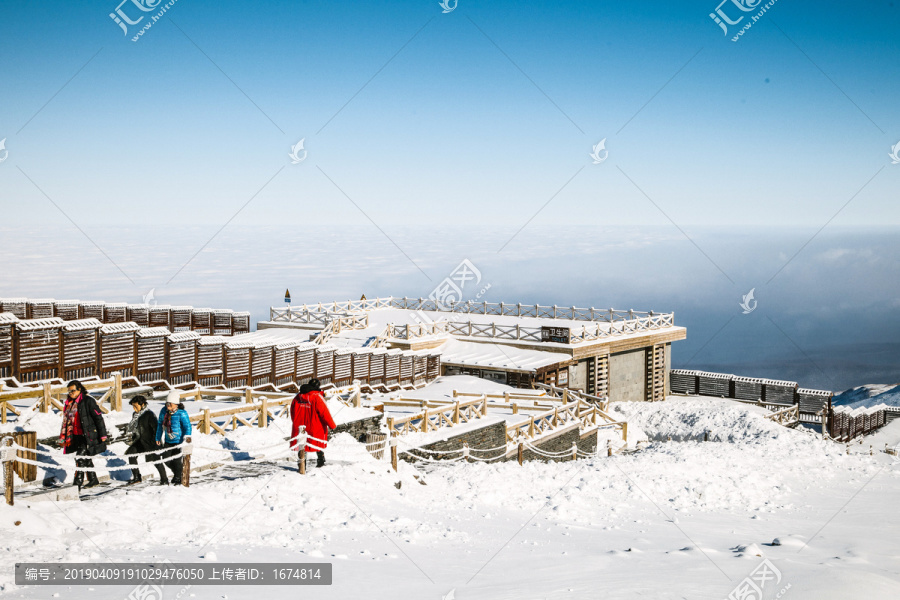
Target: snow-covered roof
point(811, 392)
point(119, 327)
point(36, 324)
point(240, 342)
point(496, 356)
point(7, 318)
point(212, 340)
point(146, 332)
point(780, 383)
point(82, 325)
point(40, 301)
point(184, 336)
point(67, 302)
point(93, 303)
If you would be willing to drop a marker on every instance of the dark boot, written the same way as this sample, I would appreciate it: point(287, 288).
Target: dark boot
point(78, 479)
point(163, 478)
point(92, 479)
point(320, 459)
point(176, 474)
point(135, 477)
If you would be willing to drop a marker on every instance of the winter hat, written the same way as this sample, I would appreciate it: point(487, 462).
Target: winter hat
point(174, 397)
point(315, 385)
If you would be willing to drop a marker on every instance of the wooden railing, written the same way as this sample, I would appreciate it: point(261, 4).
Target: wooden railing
point(787, 417)
point(586, 415)
point(565, 394)
point(335, 326)
point(49, 396)
point(536, 311)
point(438, 418)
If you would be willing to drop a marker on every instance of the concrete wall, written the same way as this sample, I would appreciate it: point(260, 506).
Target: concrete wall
point(627, 376)
point(578, 375)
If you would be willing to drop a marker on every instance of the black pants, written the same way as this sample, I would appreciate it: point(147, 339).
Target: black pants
point(175, 464)
point(137, 449)
point(79, 448)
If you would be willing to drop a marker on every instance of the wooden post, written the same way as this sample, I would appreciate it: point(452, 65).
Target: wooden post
point(206, 422)
point(455, 393)
point(521, 453)
point(705, 436)
point(466, 451)
point(118, 390)
point(624, 431)
point(484, 405)
point(8, 472)
point(248, 395)
point(565, 398)
point(608, 448)
point(574, 451)
point(515, 408)
point(186, 469)
point(456, 413)
point(302, 463)
point(45, 399)
point(263, 420)
point(394, 454)
point(506, 397)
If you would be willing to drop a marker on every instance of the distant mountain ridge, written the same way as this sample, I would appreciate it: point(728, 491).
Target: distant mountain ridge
point(872, 394)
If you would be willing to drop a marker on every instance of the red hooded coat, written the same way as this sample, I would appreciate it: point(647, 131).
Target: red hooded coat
point(310, 410)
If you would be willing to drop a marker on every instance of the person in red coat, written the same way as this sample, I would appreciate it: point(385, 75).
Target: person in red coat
point(309, 410)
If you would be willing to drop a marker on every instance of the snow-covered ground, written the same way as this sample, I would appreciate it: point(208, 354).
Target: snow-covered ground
point(869, 395)
point(679, 519)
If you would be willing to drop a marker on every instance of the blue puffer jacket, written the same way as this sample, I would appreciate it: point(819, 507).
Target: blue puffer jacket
point(181, 426)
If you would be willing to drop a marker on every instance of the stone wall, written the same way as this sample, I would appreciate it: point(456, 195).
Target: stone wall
point(557, 442)
point(492, 435)
point(359, 429)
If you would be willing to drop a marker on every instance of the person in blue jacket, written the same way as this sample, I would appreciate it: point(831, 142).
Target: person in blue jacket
point(173, 428)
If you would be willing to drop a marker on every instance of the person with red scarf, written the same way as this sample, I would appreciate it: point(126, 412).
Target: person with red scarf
point(309, 410)
point(83, 431)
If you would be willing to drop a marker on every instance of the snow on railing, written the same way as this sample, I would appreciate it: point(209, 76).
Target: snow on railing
point(536, 311)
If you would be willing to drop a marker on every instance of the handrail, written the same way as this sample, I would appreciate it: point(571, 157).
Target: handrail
point(536, 311)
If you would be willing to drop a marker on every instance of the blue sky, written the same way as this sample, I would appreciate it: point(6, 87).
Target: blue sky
point(717, 132)
point(440, 136)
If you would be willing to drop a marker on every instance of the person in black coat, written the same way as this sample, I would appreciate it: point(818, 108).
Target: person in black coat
point(83, 430)
point(141, 437)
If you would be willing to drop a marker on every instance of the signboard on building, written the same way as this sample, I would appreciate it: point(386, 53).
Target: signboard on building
point(559, 335)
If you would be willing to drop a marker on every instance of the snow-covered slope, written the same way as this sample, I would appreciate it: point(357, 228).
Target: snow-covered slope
point(869, 395)
point(680, 519)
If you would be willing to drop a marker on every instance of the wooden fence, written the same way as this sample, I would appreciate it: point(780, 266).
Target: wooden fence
point(845, 423)
point(174, 318)
point(49, 397)
point(773, 394)
point(439, 414)
point(41, 349)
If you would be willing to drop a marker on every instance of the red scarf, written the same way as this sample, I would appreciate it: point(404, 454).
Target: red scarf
point(71, 425)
